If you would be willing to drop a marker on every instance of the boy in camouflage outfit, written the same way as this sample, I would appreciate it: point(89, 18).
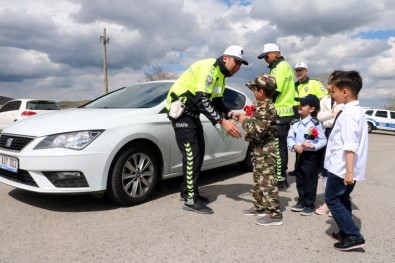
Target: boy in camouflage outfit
point(261, 129)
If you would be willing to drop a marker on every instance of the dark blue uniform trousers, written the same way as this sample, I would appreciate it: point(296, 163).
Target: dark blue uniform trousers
point(307, 177)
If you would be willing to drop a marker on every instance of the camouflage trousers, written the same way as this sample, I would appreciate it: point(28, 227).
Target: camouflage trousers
point(265, 191)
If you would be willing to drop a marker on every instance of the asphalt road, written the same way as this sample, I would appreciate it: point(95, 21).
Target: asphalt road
point(46, 228)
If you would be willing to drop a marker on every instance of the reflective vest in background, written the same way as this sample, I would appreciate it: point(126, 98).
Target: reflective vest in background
point(284, 74)
point(191, 80)
point(311, 86)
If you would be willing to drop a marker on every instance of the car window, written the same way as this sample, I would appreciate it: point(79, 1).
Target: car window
point(381, 113)
point(369, 112)
point(234, 100)
point(141, 95)
point(10, 106)
point(392, 114)
point(41, 105)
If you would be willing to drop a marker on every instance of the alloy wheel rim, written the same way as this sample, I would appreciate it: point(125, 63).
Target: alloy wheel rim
point(137, 174)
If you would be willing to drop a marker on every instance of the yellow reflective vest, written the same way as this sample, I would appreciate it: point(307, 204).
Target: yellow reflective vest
point(200, 85)
point(311, 86)
point(284, 75)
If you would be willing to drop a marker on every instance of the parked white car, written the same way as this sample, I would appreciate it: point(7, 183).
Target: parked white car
point(15, 110)
point(121, 144)
point(380, 119)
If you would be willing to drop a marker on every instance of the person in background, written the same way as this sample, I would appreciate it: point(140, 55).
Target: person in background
point(201, 88)
point(261, 128)
point(306, 137)
point(306, 85)
point(283, 102)
point(327, 115)
point(345, 157)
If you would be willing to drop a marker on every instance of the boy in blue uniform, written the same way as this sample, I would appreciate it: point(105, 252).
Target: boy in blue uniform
point(345, 157)
point(305, 137)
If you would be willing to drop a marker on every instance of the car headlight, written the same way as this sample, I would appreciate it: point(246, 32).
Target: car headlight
point(71, 140)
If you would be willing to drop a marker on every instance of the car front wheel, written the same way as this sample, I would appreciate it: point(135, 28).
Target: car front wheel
point(134, 176)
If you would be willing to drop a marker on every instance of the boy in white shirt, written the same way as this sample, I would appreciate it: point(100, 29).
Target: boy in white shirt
point(345, 157)
point(327, 114)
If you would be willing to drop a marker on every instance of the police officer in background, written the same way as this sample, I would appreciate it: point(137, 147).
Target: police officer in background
point(284, 99)
point(201, 88)
point(304, 86)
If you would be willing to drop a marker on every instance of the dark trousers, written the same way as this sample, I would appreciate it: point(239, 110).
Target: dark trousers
point(321, 154)
point(190, 141)
point(337, 197)
point(282, 156)
point(306, 169)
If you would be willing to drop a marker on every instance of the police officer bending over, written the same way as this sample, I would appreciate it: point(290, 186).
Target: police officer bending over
point(200, 88)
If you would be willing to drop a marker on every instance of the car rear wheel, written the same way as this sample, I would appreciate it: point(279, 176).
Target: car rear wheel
point(248, 162)
point(370, 127)
point(134, 176)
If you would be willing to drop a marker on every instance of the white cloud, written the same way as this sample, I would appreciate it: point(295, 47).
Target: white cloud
point(52, 49)
point(384, 65)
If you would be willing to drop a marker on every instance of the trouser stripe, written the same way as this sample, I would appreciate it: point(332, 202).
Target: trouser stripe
point(278, 162)
point(189, 168)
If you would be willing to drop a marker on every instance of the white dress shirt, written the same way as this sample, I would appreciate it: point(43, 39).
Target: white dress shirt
point(350, 133)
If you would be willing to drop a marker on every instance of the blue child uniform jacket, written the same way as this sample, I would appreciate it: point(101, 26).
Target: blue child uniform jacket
point(300, 132)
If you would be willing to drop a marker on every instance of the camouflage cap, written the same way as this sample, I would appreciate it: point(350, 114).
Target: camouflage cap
point(263, 81)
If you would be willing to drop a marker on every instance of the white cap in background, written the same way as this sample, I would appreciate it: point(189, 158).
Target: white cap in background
point(267, 48)
point(301, 65)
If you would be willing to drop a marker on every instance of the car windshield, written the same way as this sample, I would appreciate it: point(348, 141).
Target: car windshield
point(41, 105)
point(141, 95)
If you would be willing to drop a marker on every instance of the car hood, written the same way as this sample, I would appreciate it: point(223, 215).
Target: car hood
point(79, 119)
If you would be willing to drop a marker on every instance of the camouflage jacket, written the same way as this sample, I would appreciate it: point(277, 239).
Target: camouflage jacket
point(261, 127)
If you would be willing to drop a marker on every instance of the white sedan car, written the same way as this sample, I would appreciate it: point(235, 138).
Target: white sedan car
point(15, 110)
point(122, 144)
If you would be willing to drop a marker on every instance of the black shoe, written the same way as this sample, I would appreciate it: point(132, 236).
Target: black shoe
point(292, 173)
point(198, 207)
point(297, 208)
point(203, 199)
point(340, 236)
point(283, 183)
point(350, 243)
point(200, 198)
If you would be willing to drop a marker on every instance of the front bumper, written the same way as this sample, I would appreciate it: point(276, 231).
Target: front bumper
point(38, 169)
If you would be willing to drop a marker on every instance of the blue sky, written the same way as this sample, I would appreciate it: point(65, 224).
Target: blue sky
point(51, 49)
point(382, 34)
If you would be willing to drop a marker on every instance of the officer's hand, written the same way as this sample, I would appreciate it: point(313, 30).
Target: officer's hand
point(231, 128)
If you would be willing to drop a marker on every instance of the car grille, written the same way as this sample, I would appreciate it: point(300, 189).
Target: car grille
point(76, 183)
point(15, 143)
point(21, 176)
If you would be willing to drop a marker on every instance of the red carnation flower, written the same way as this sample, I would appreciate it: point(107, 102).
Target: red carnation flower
point(249, 110)
point(313, 131)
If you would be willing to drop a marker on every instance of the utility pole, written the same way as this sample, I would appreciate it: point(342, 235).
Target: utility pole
point(105, 40)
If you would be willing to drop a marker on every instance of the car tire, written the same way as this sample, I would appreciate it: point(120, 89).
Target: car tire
point(134, 176)
point(370, 127)
point(248, 163)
